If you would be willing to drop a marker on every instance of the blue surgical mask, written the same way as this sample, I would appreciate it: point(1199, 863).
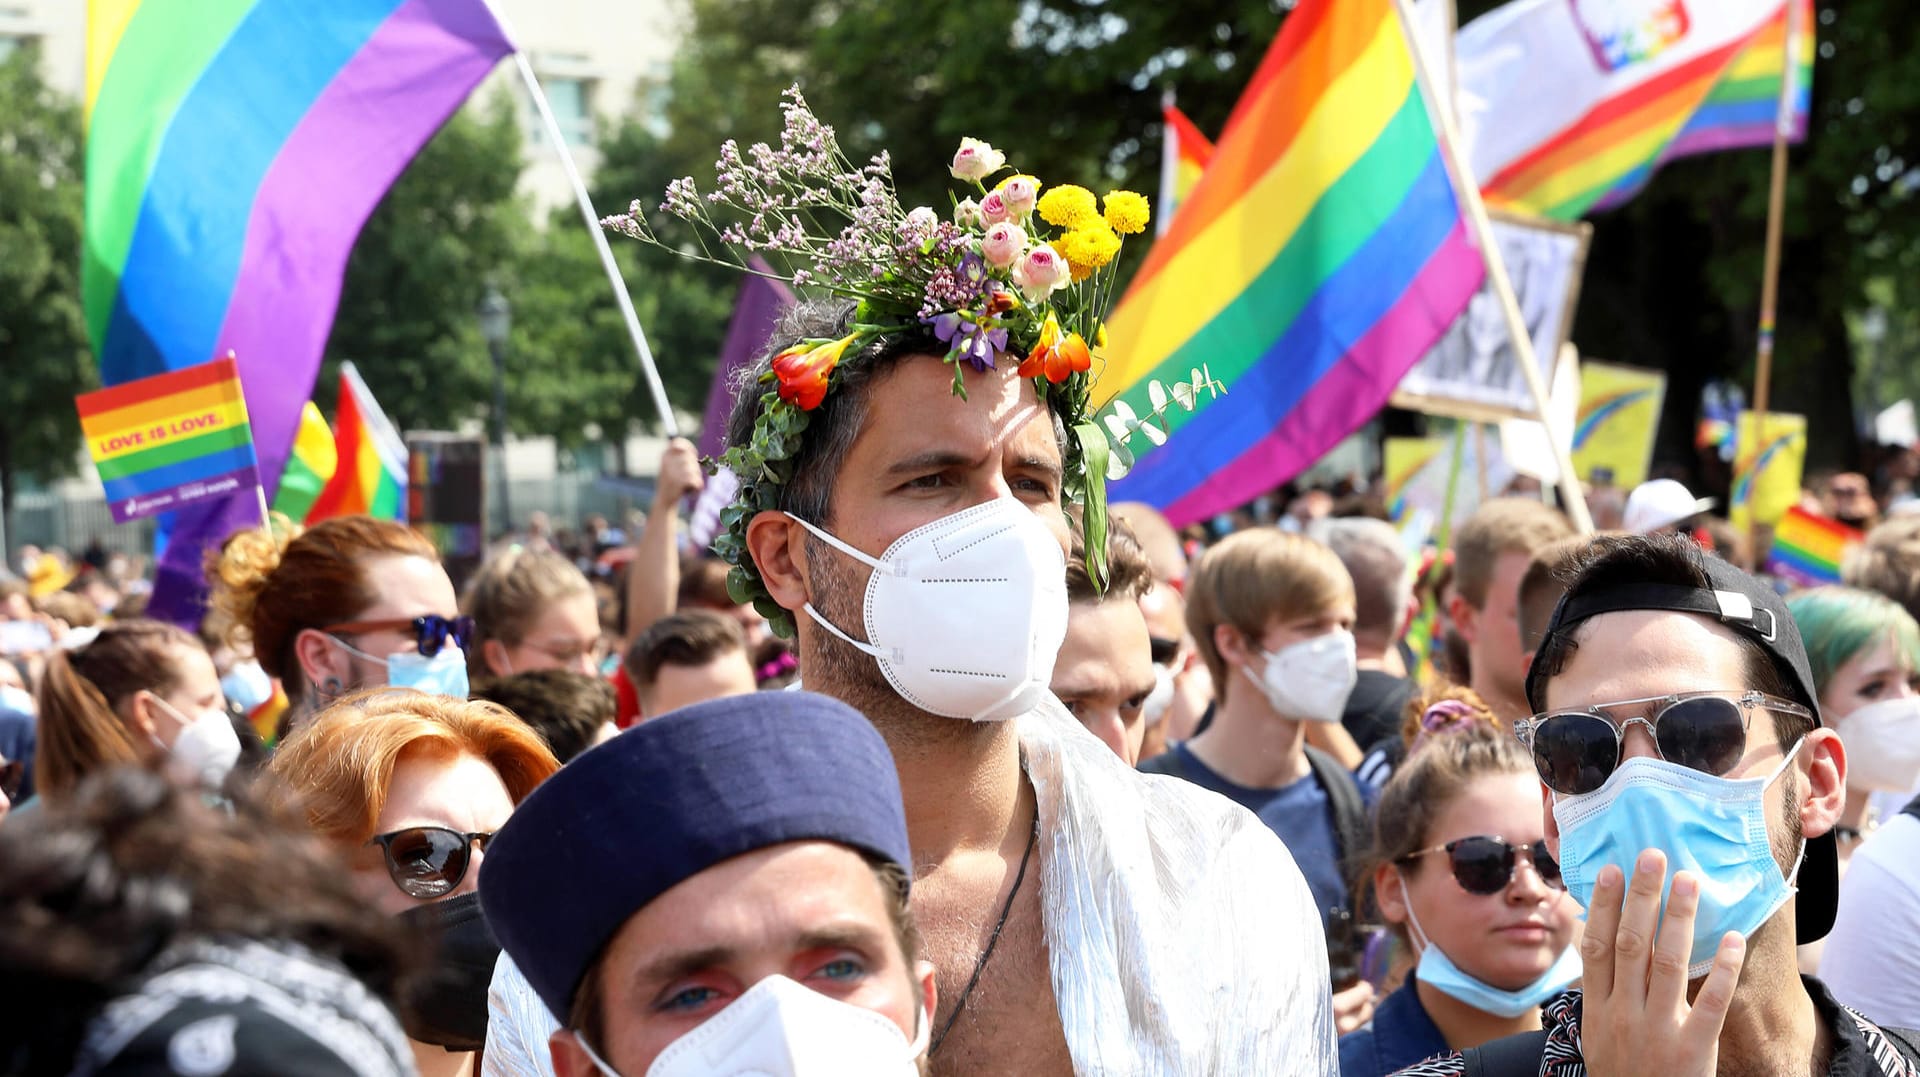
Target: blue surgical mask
point(247, 685)
point(1715, 828)
point(1438, 971)
point(443, 674)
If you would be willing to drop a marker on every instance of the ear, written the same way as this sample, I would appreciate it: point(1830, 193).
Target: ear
point(1390, 893)
point(1462, 614)
point(141, 714)
point(1547, 820)
point(569, 1058)
point(1231, 645)
point(1826, 782)
point(494, 654)
point(778, 547)
point(320, 658)
point(925, 972)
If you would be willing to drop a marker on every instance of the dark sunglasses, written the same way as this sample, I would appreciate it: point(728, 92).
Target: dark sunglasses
point(1163, 651)
point(428, 861)
point(1575, 751)
point(13, 774)
point(1484, 865)
point(431, 632)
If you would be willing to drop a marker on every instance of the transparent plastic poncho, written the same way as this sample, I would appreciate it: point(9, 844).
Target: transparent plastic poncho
point(1184, 939)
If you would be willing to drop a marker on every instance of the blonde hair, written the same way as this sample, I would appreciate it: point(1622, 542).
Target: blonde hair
point(335, 770)
point(510, 592)
point(1500, 526)
point(81, 691)
point(1254, 578)
point(272, 587)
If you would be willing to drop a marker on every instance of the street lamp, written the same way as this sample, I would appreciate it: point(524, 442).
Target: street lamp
point(496, 320)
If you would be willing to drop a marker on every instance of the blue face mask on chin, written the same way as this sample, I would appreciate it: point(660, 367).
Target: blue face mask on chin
point(1438, 971)
point(1715, 828)
point(445, 673)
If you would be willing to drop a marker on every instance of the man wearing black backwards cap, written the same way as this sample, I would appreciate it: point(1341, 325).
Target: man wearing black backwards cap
point(1686, 768)
point(722, 890)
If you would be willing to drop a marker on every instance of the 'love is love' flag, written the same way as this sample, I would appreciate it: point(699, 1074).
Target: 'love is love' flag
point(170, 440)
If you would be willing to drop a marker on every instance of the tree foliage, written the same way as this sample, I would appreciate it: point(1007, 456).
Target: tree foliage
point(44, 357)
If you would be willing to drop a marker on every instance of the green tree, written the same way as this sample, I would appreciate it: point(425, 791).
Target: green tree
point(44, 357)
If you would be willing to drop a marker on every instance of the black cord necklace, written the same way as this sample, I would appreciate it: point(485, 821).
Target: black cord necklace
point(993, 940)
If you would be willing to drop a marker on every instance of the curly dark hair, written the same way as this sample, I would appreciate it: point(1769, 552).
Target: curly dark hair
point(97, 885)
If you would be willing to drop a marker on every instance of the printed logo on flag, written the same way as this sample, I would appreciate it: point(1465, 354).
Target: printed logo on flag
point(1623, 32)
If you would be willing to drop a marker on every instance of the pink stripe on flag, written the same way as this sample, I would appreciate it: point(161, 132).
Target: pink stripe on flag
point(361, 132)
point(1353, 390)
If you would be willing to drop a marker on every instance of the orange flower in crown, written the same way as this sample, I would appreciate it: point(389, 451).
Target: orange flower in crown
point(1055, 355)
point(804, 369)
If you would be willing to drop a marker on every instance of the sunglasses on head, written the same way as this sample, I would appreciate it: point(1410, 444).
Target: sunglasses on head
point(431, 632)
point(1576, 751)
point(1483, 864)
point(428, 861)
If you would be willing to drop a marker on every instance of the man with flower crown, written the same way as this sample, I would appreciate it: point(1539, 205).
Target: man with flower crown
point(906, 455)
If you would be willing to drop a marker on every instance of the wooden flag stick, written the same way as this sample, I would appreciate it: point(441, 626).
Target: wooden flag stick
point(1467, 191)
point(1770, 266)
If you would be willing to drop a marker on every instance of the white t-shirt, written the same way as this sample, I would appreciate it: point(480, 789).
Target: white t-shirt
point(1870, 961)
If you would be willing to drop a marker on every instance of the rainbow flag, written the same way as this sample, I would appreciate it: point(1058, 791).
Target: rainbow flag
point(1743, 108)
point(1573, 107)
point(313, 461)
point(1184, 153)
point(1807, 549)
point(372, 476)
point(171, 439)
point(234, 150)
point(1321, 255)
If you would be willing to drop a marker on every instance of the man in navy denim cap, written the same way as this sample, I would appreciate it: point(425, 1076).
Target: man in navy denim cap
point(719, 890)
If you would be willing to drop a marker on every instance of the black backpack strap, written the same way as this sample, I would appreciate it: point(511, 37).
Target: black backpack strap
point(1350, 825)
point(1514, 1056)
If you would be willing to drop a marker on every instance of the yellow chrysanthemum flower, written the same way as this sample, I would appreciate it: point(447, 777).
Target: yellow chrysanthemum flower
point(1068, 206)
point(1087, 249)
point(1128, 212)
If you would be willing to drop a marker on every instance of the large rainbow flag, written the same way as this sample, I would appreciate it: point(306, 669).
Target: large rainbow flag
point(1184, 153)
point(1569, 112)
point(371, 479)
point(234, 150)
point(1321, 255)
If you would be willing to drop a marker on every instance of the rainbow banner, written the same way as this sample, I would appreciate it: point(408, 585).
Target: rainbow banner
point(1321, 255)
point(371, 479)
point(170, 440)
point(234, 150)
point(1766, 475)
point(311, 464)
point(1184, 153)
point(1618, 417)
point(1572, 107)
point(1807, 549)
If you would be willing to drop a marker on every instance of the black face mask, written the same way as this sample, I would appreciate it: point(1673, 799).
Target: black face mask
point(448, 1004)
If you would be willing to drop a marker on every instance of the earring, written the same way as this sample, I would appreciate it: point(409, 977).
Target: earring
point(330, 687)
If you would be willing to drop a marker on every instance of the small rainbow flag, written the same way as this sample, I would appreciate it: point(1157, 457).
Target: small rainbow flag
point(371, 479)
point(1320, 257)
point(1184, 153)
point(1807, 549)
point(171, 439)
point(312, 462)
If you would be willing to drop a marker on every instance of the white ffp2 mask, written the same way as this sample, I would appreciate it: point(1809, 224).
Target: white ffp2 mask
point(965, 615)
point(1883, 744)
point(204, 749)
point(1309, 680)
point(778, 1028)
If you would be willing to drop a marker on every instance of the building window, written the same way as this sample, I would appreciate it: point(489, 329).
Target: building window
point(572, 103)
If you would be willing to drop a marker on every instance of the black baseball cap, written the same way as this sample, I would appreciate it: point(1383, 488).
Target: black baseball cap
point(1751, 608)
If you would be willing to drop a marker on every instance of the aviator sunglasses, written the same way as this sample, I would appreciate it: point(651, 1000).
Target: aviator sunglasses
point(431, 632)
point(1483, 864)
point(428, 861)
point(1576, 751)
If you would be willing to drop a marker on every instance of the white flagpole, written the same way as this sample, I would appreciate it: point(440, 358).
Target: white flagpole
point(1169, 169)
point(1467, 191)
point(552, 126)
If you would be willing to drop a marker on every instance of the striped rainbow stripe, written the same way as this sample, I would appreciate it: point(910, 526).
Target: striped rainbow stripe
point(1321, 255)
point(371, 476)
point(1724, 99)
point(1807, 549)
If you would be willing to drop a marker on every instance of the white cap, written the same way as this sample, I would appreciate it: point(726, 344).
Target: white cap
point(1661, 503)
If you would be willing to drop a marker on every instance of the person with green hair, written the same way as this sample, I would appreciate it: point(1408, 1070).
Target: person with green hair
point(1865, 652)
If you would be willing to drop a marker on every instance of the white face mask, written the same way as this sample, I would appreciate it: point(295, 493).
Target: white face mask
point(205, 749)
point(1309, 680)
point(781, 1029)
point(1160, 700)
point(966, 614)
point(13, 697)
point(1883, 744)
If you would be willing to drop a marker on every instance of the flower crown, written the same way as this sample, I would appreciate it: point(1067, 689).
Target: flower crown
point(1014, 269)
